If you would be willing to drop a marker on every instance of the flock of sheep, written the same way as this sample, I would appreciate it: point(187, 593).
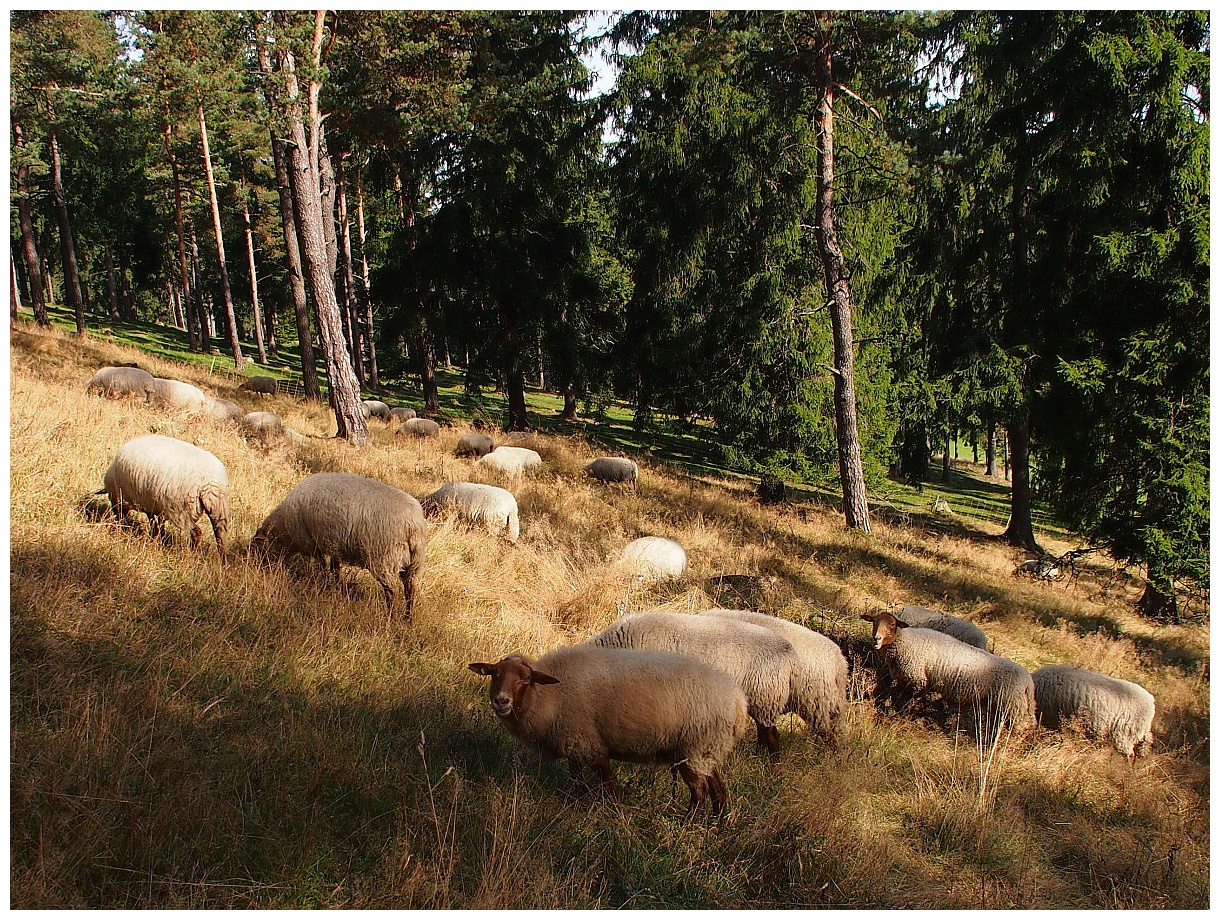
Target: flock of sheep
point(655, 686)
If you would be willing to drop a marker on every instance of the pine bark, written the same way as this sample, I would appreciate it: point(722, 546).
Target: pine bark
point(350, 305)
point(29, 243)
point(225, 290)
point(427, 370)
point(194, 319)
point(851, 467)
point(13, 293)
point(344, 389)
point(1020, 530)
point(67, 245)
point(990, 472)
point(366, 295)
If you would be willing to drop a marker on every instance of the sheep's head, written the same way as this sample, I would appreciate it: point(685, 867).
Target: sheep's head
point(885, 627)
point(510, 677)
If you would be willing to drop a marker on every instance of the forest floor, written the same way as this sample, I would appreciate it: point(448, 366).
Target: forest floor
point(191, 735)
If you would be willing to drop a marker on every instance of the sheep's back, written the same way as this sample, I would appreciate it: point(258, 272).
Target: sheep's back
point(1113, 708)
point(613, 469)
point(175, 394)
point(164, 476)
point(477, 502)
point(962, 630)
point(120, 381)
point(654, 557)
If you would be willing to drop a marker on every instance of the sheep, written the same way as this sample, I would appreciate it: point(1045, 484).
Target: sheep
point(342, 517)
point(377, 409)
point(593, 705)
point(613, 469)
point(223, 409)
point(654, 558)
point(261, 426)
point(170, 480)
point(490, 505)
point(760, 661)
point(117, 382)
point(474, 444)
point(511, 461)
point(264, 386)
point(420, 428)
point(819, 682)
point(962, 630)
point(174, 394)
point(401, 413)
point(1111, 708)
point(923, 660)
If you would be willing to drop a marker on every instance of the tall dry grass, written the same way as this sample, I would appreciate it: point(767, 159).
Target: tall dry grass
point(191, 735)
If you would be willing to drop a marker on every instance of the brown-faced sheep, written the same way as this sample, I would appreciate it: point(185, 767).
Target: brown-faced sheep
point(342, 517)
point(593, 705)
point(170, 480)
point(924, 660)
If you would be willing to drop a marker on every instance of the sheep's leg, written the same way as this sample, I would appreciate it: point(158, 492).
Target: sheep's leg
point(196, 535)
point(219, 530)
point(606, 774)
point(768, 739)
point(720, 795)
point(388, 587)
point(407, 576)
point(698, 786)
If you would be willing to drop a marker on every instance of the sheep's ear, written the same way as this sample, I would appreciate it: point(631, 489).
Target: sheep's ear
point(481, 667)
point(868, 616)
point(537, 677)
point(902, 623)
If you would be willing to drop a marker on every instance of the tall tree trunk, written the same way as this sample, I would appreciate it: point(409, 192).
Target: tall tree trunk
point(48, 277)
point(427, 370)
point(13, 293)
point(851, 467)
point(29, 243)
point(351, 304)
point(1020, 530)
point(366, 298)
point(569, 403)
point(225, 290)
point(344, 389)
point(514, 389)
point(990, 472)
point(67, 246)
point(127, 302)
point(203, 311)
point(259, 342)
point(194, 321)
point(111, 289)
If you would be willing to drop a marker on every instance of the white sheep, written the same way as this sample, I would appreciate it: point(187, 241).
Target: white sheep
point(342, 517)
point(593, 705)
point(962, 630)
point(511, 461)
point(420, 428)
point(377, 409)
point(491, 506)
point(401, 413)
point(264, 386)
point(613, 469)
point(474, 444)
point(170, 480)
point(266, 428)
point(924, 660)
point(1111, 708)
point(654, 558)
point(761, 661)
point(174, 394)
point(117, 382)
point(818, 693)
point(223, 409)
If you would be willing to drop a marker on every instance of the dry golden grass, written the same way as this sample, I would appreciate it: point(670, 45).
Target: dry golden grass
point(191, 735)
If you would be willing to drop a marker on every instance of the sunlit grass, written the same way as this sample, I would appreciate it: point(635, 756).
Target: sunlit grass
point(190, 735)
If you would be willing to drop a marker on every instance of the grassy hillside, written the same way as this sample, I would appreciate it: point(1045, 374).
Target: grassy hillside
point(188, 735)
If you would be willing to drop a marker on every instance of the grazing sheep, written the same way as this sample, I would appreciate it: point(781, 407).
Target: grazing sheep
point(474, 444)
point(511, 461)
point(265, 386)
point(174, 394)
point(342, 517)
point(654, 558)
point(613, 469)
point(962, 630)
point(819, 682)
point(490, 505)
point(117, 382)
point(170, 480)
point(593, 705)
point(377, 409)
point(923, 660)
point(261, 426)
point(223, 409)
point(761, 661)
point(1111, 708)
point(401, 413)
point(420, 428)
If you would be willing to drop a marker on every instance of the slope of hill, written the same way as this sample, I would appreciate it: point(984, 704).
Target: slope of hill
point(190, 735)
